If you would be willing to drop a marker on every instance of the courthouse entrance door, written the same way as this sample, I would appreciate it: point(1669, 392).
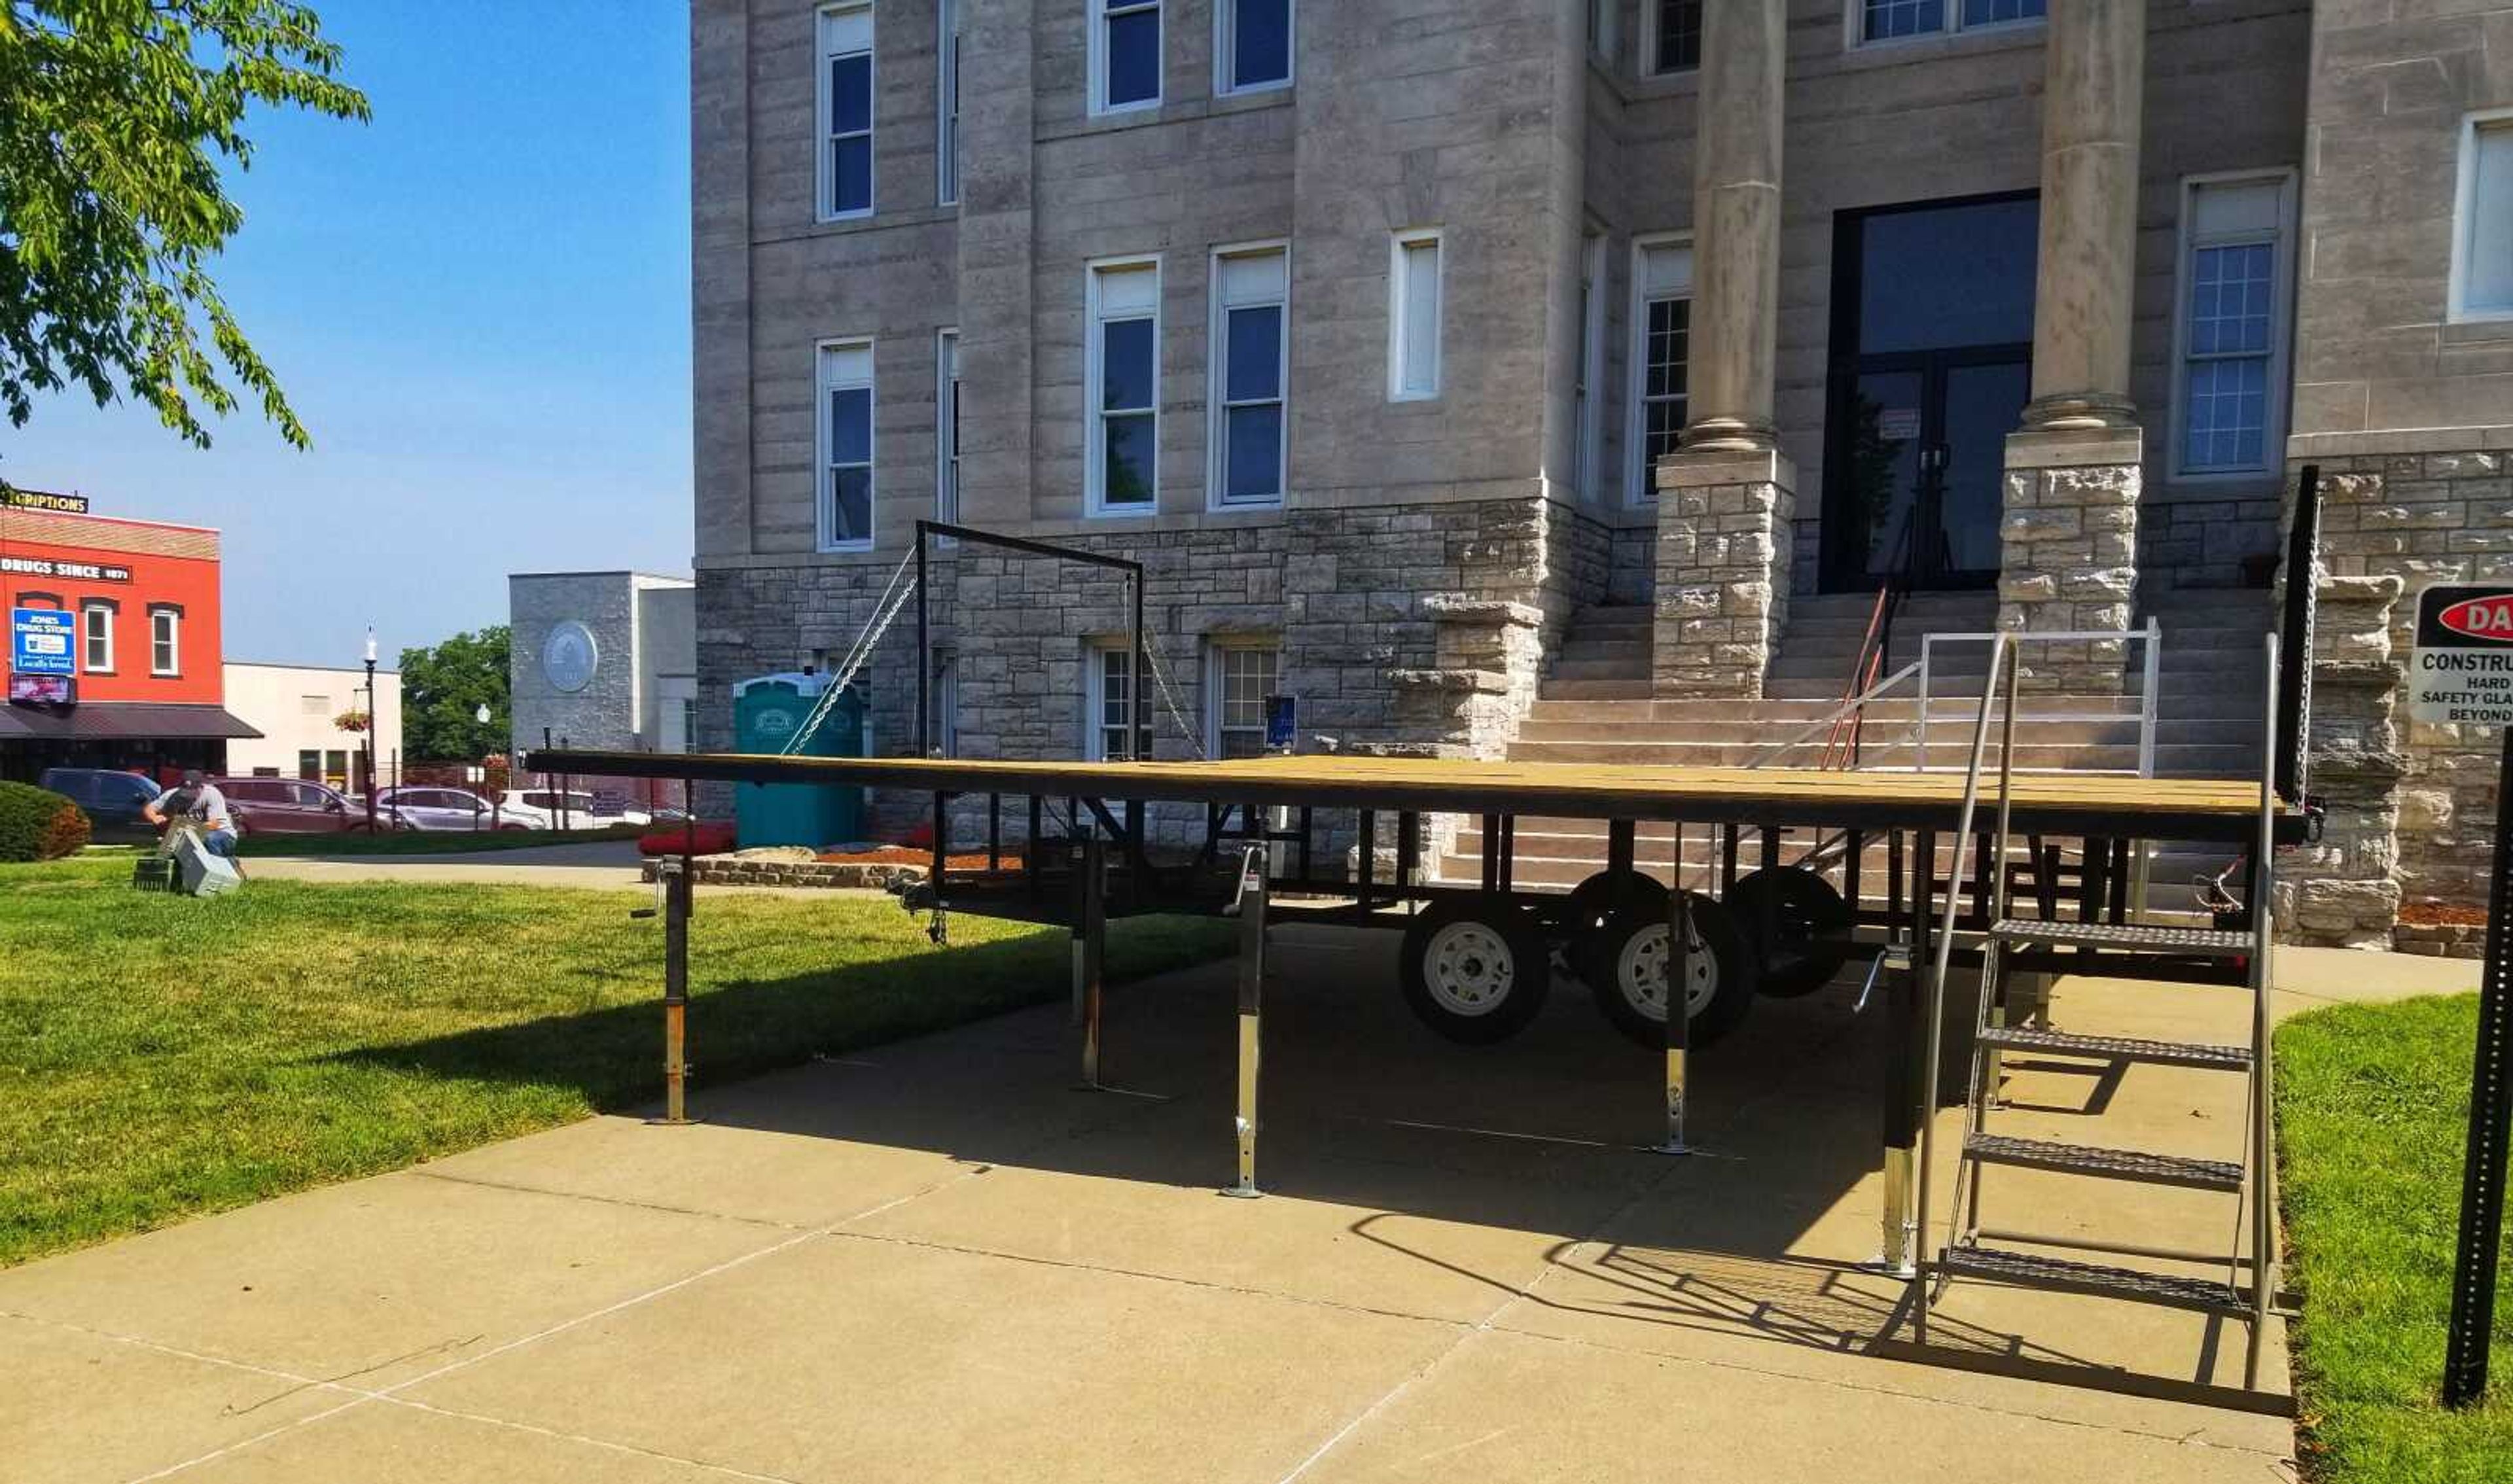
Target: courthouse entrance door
point(1932, 336)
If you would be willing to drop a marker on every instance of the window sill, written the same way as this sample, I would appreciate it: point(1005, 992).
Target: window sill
point(2479, 329)
point(1180, 111)
point(845, 227)
point(1905, 51)
point(1121, 513)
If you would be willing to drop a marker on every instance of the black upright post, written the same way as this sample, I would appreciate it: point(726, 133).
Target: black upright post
point(924, 667)
point(2490, 1119)
point(1142, 717)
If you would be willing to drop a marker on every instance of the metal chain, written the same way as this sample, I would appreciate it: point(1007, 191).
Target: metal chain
point(858, 656)
point(1168, 699)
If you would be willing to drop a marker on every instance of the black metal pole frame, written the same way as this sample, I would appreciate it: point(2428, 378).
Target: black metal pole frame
point(2491, 1120)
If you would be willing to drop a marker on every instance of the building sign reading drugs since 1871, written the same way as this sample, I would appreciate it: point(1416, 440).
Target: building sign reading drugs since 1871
point(2463, 670)
point(47, 567)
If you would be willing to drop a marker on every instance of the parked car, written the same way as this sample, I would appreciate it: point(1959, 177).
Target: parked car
point(427, 806)
point(287, 805)
point(111, 798)
point(548, 809)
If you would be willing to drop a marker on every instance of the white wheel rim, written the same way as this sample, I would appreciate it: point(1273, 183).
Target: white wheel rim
point(1639, 973)
point(1468, 968)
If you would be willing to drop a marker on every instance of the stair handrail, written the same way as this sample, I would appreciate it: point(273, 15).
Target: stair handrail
point(1967, 1195)
point(1829, 718)
point(2001, 656)
point(2149, 702)
point(1875, 646)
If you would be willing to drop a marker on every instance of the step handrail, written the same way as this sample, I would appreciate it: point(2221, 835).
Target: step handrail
point(2152, 636)
point(2002, 657)
point(1833, 717)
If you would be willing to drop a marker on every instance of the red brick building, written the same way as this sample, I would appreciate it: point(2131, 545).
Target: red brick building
point(137, 602)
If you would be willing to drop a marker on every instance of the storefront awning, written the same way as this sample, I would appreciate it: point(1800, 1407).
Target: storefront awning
point(118, 721)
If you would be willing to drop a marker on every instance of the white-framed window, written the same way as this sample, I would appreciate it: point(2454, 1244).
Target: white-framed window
point(165, 640)
point(947, 104)
point(1872, 20)
point(95, 629)
point(1251, 353)
point(846, 106)
point(1605, 27)
point(1660, 357)
point(947, 705)
point(846, 402)
point(2236, 282)
point(1670, 36)
point(1116, 709)
point(1125, 55)
point(1122, 382)
point(1239, 674)
point(2481, 220)
point(1588, 369)
point(1414, 291)
point(1251, 45)
point(947, 425)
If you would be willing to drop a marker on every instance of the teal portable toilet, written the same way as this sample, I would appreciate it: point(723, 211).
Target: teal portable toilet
point(767, 712)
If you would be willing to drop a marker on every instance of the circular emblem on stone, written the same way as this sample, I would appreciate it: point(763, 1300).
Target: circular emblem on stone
point(568, 656)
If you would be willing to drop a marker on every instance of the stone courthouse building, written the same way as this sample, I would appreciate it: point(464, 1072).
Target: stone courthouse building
point(1450, 360)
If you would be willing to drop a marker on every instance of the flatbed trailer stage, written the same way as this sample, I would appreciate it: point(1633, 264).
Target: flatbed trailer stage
point(1479, 958)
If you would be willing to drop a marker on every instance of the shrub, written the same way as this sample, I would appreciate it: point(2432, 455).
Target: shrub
point(38, 825)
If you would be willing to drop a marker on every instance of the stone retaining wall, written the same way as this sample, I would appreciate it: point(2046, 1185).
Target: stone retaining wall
point(2412, 806)
point(834, 875)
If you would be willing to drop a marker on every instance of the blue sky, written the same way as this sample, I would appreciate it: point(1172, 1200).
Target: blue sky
point(478, 303)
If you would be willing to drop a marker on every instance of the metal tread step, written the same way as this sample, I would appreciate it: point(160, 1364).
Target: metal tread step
point(2106, 1164)
point(2059, 1275)
point(2126, 936)
point(2197, 1053)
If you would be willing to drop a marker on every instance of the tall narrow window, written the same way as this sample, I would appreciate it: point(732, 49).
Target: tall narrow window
point(165, 640)
point(1250, 346)
point(1255, 44)
point(1414, 316)
point(1242, 675)
point(947, 425)
point(1662, 347)
point(1587, 367)
point(96, 621)
point(1125, 55)
point(1121, 460)
point(2482, 256)
point(1673, 35)
point(2233, 325)
point(845, 111)
point(1116, 711)
point(845, 446)
point(947, 109)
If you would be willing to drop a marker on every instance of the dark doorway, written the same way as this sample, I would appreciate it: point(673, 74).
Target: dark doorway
point(1932, 366)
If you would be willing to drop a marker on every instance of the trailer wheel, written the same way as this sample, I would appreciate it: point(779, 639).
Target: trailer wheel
point(1810, 928)
point(1593, 902)
point(1475, 970)
point(1630, 985)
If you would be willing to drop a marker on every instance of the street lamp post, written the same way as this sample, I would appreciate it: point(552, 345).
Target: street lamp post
point(371, 729)
point(482, 717)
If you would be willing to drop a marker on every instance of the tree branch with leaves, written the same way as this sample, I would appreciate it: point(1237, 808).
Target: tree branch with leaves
point(116, 118)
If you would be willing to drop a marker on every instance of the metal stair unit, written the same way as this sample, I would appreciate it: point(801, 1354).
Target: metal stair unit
point(2249, 1178)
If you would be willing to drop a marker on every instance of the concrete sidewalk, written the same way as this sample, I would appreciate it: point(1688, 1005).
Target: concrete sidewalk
point(938, 1261)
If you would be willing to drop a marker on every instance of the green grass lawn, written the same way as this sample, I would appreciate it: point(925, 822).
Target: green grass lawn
point(428, 842)
point(2372, 1114)
point(162, 1056)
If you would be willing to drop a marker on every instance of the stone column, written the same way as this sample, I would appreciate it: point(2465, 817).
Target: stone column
point(1736, 226)
point(2074, 476)
point(1726, 500)
point(2093, 83)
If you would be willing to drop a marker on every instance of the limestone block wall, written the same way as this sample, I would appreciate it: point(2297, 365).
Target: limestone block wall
point(2412, 806)
point(1726, 525)
point(1404, 629)
point(2068, 556)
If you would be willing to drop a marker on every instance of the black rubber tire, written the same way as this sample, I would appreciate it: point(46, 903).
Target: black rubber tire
point(1810, 923)
point(1455, 978)
point(1715, 938)
point(1593, 902)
